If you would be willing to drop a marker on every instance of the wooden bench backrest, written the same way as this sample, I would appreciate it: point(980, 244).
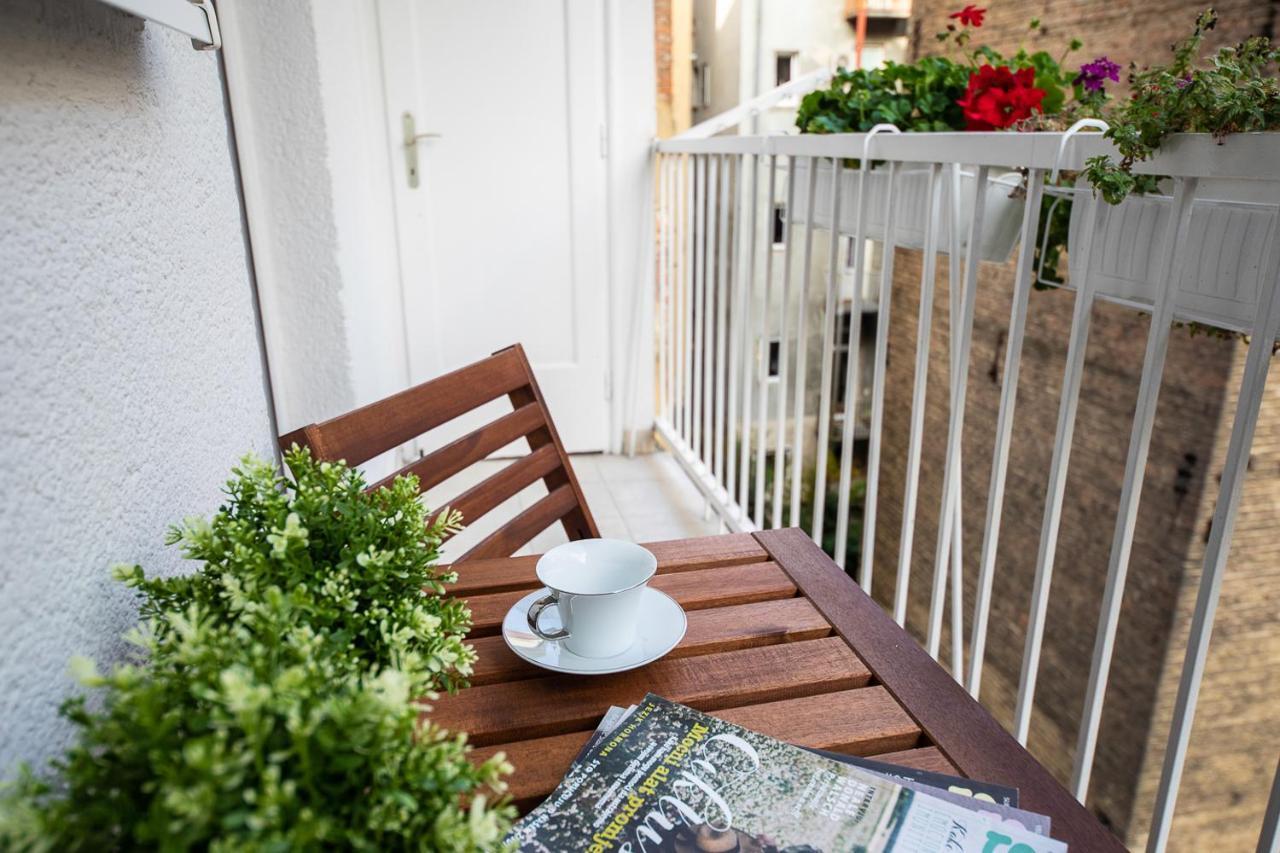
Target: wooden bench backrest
point(360, 435)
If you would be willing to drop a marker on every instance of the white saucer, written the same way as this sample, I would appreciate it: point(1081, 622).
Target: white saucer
point(662, 626)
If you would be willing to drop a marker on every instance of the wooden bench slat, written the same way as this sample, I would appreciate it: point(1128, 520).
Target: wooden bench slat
point(719, 629)
point(680, 555)
point(370, 430)
point(865, 721)
point(528, 524)
point(504, 485)
point(720, 587)
point(461, 453)
point(557, 704)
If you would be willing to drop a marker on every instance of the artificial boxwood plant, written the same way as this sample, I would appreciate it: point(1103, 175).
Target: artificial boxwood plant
point(276, 702)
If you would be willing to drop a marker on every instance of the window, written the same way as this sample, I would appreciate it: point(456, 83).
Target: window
point(843, 328)
point(701, 84)
point(779, 224)
point(784, 65)
point(775, 357)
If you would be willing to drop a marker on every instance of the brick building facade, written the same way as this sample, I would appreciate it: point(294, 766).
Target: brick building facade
point(1232, 757)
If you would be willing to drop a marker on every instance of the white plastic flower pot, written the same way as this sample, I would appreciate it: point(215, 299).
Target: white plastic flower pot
point(1003, 215)
point(1226, 264)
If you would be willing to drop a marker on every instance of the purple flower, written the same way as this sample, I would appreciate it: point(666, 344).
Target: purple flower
point(1183, 82)
point(1093, 75)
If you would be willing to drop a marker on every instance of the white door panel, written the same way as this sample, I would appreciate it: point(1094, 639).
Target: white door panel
point(504, 240)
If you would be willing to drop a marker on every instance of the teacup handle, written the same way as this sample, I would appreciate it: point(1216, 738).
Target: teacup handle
point(535, 610)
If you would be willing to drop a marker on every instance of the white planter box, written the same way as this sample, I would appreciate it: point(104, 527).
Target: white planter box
point(1228, 262)
point(1003, 215)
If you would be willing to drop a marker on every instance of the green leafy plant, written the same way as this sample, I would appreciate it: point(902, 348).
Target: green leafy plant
point(920, 96)
point(1236, 92)
point(978, 89)
point(277, 700)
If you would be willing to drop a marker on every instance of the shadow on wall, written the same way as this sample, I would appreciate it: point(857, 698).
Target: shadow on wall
point(70, 22)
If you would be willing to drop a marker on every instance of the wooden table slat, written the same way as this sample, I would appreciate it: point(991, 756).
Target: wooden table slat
point(538, 707)
point(477, 577)
point(921, 758)
point(718, 587)
point(720, 629)
point(865, 721)
point(962, 729)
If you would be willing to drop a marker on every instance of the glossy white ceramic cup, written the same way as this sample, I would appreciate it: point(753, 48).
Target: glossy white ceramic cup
point(596, 585)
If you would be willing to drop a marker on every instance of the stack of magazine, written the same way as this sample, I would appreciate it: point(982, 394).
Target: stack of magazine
point(662, 776)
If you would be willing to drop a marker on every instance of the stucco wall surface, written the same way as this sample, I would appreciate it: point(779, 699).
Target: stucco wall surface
point(130, 371)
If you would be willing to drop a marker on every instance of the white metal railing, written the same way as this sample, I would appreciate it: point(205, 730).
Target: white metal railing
point(736, 392)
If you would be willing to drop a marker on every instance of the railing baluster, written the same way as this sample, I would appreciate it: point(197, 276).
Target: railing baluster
point(722, 299)
point(957, 529)
point(763, 372)
point(699, 314)
point(853, 358)
point(1171, 263)
point(1004, 426)
point(749, 354)
point(1269, 837)
point(734, 330)
point(780, 427)
point(668, 308)
point(961, 335)
point(923, 333)
point(672, 282)
point(664, 285)
point(686, 357)
point(1067, 406)
point(711, 176)
point(883, 304)
point(802, 350)
point(830, 322)
point(1248, 403)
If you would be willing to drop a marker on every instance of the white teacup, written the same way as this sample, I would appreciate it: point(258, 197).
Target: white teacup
point(596, 584)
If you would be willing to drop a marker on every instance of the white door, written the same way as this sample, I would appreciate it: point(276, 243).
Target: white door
point(504, 239)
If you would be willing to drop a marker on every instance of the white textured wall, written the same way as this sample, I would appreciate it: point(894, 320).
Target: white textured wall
point(130, 374)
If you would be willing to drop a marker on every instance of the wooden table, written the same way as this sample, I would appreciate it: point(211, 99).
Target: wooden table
point(781, 641)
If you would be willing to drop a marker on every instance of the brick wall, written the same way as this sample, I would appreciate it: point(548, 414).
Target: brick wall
point(662, 59)
point(1231, 759)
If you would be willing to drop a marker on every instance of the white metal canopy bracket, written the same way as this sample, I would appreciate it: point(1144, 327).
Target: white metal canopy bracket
point(194, 18)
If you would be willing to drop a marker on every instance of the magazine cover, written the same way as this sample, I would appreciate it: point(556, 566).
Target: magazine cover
point(973, 794)
point(988, 791)
point(671, 778)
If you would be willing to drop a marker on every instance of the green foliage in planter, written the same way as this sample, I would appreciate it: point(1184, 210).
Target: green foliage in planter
point(920, 96)
point(274, 706)
point(1237, 92)
point(924, 95)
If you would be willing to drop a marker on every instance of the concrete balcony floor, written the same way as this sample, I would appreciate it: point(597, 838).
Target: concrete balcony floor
point(645, 498)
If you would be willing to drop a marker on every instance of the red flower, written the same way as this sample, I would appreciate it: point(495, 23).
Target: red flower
point(970, 16)
point(998, 97)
